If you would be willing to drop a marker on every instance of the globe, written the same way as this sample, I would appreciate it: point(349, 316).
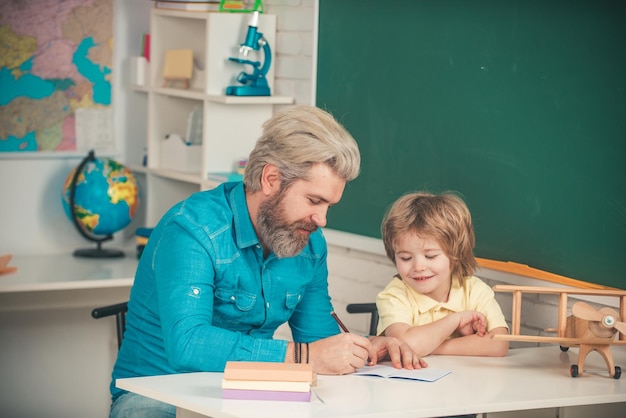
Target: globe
point(105, 197)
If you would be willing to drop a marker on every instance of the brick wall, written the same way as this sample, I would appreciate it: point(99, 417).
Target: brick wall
point(295, 49)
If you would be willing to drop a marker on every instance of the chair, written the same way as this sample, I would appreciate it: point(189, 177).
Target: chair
point(369, 308)
point(119, 310)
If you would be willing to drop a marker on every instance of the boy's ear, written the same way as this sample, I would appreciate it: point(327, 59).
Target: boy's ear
point(270, 179)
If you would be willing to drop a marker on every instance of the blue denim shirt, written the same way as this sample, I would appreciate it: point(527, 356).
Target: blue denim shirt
point(203, 293)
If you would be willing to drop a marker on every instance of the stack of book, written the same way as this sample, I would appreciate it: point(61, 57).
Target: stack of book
point(190, 6)
point(268, 381)
point(223, 177)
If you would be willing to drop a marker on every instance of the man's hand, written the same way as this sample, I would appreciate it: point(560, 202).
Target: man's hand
point(339, 354)
point(396, 350)
point(344, 353)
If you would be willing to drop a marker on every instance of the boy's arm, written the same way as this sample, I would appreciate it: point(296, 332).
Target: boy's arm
point(475, 345)
point(425, 339)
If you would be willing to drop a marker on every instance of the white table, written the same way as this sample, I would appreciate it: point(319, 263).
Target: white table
point(527, 378)
point(62, 280)
point(48, 337)
point(37, 273)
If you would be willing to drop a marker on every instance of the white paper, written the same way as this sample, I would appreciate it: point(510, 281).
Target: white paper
point(426, 374)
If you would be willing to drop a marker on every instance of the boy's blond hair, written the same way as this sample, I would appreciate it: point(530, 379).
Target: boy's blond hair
point(444, 217)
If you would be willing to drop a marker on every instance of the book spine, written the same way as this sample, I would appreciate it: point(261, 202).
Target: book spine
point(189, 7)
point(266, 395)
point(224, 177)
point(273, 375)
point(266, 385)
point(242, 370)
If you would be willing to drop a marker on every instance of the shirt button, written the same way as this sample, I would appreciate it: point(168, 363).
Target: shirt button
point(267, 304)
point(196, 291)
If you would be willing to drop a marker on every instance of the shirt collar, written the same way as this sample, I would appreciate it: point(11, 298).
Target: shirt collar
point(426, 303)
point(245, 235)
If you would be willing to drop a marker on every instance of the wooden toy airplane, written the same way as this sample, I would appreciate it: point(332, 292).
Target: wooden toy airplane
point(587, 328)
point(4, 264)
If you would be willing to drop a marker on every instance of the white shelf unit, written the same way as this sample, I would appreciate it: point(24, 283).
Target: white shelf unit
point(231, 124)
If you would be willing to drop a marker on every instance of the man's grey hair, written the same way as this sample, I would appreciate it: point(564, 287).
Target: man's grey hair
point(297, 138)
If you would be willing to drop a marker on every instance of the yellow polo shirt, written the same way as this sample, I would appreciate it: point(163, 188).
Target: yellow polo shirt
point(400, 303)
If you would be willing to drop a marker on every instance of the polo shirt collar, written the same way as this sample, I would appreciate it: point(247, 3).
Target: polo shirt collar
point(455, 299)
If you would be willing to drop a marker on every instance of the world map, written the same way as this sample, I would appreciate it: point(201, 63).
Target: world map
point(55, 59)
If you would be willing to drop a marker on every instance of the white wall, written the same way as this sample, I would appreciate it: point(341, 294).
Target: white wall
point(296, 48)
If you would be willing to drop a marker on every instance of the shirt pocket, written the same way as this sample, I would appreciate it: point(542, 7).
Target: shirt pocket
point(234, 307)
point(292, 299)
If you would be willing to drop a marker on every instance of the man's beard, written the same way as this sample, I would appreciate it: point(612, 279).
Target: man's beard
point(276, 234)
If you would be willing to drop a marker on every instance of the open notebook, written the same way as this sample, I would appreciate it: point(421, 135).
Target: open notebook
point(380, 370)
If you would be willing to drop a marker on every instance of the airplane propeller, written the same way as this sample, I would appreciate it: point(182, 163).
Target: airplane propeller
point(587, 312)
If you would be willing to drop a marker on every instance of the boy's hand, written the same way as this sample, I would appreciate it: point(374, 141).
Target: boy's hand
point(472, 322)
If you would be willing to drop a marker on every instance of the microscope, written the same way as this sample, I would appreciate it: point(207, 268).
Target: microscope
point(254, 84)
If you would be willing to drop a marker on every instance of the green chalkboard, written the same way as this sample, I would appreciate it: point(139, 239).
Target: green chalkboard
point(518, 105)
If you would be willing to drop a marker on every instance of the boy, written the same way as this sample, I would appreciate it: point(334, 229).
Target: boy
point(435, 303)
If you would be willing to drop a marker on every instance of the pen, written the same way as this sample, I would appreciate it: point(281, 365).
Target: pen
point(341, 325)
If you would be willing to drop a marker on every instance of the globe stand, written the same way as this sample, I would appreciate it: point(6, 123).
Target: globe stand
point(97, 252)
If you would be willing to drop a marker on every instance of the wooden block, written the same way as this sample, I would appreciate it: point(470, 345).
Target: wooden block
point(178, 66)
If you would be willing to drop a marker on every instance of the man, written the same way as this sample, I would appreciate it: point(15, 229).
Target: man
point(225, 268)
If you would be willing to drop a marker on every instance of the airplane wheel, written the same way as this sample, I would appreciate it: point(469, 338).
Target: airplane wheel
point(563, 349)
point(573, 370)
point(618, 372)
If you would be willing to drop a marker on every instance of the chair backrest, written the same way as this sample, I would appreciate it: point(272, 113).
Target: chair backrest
point(366, 308)
point(119, 310)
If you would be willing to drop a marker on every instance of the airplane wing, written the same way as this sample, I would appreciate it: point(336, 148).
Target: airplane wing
point(558, 340)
